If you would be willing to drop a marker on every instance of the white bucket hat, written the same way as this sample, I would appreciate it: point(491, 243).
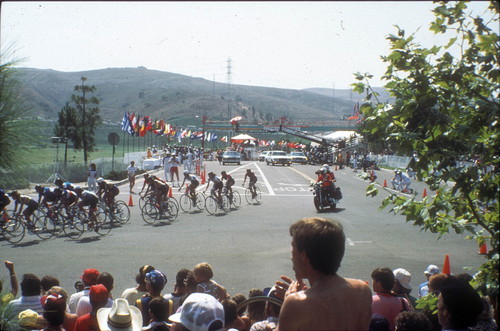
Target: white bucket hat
point(120, 316)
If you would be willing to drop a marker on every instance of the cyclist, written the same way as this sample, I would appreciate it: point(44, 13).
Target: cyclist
point(4, 202)
point(192, 187)
point(69, 198)
point(48, 194)
point(64, 185)
point(216, 188)
point(107, 192)
point(22, 200)
point(89, 199)
point(229, 183)
point(252, 179)
point(161, 190)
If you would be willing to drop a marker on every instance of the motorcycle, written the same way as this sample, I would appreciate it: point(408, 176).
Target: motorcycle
point(323, 200)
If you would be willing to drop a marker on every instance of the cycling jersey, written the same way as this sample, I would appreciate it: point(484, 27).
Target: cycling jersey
point(89, 199)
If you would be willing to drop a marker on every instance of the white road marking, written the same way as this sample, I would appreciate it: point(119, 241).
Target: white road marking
point(353, 243)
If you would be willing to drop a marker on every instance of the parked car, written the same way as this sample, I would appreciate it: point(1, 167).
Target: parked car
point(298, 157)
point(262, 156)
point(278, 157)
point(231, 157)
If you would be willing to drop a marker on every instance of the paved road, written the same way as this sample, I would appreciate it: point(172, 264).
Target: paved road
point(249, 247)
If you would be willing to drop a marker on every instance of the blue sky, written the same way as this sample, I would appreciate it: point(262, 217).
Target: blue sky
point(274, 44)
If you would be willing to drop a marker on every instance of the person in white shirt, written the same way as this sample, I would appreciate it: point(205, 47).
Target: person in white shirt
point(131, 170)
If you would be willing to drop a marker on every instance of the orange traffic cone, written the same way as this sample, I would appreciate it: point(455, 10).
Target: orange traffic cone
point(425, 193)
point(483, 250)
point(170, 195)
point(446, 265)
point(203, 179)
point(385, 183)
point(130, 201)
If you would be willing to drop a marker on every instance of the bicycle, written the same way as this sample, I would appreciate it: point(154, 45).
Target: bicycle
point(150, 211)
point(119, 212)
point(51, 220)
point(234, 198)
point(14, 227)
point(253, 198)
point(188, 202)
point(102, 224)
point(212, 205)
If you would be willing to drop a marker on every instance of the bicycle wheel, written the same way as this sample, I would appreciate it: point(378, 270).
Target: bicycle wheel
point(236, 200)
point(172, 209)
point(75, 225)
point(185, 203)
point(43, 227)
point(103, 225)
point(211, 205)
point(122, 212)
point(149, 212)
point(258, 195)
point(58, 222)
point(248, 195)
point(225, 204)
point(13, 230)
point(200, 201)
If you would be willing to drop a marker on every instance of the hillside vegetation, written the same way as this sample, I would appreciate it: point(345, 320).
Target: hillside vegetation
point(164, 95)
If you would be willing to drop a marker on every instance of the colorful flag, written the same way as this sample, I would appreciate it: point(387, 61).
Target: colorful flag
point(126, 126)
point(356, 112)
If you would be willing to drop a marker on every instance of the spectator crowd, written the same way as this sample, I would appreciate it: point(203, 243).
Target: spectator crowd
point(317, 299)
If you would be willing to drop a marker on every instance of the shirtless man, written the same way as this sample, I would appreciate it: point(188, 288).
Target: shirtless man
point(330, 302)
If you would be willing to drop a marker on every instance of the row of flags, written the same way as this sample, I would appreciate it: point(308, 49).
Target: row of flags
point(137, 126)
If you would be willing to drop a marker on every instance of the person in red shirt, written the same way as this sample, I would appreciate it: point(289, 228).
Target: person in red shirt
point(98, 298)
point(327, 179)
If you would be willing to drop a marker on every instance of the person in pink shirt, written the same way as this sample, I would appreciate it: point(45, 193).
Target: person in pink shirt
point(384, 302)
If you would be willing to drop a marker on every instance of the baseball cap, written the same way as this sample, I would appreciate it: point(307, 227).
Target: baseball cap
point(54, 303)
point(99, 293)
point(404, 277)
point(89, 276)
point(199, 311)
point(432, 270)
point(156, 278)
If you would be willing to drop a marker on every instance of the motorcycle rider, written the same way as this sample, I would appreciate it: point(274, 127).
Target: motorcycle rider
point(326, 178)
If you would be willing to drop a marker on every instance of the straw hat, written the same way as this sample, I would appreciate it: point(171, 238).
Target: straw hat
point(120, 316)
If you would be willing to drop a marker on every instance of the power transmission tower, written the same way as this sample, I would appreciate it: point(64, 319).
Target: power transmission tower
point(229, 87)
point(333, 96)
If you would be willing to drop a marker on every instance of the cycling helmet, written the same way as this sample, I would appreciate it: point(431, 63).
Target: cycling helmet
point(39, 188)
point(326, 166)
point(186, 172)
point(58, 182)
point(100, 180)
point(146, 175)
point(223, 172)
point(14, 194)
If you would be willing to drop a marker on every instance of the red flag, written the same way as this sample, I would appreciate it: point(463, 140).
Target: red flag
point(356, 112)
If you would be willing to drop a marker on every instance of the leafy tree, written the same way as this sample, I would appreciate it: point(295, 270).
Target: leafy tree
point(12, 130)
point(447, 110)
point(66, 127)
point(89, 120)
